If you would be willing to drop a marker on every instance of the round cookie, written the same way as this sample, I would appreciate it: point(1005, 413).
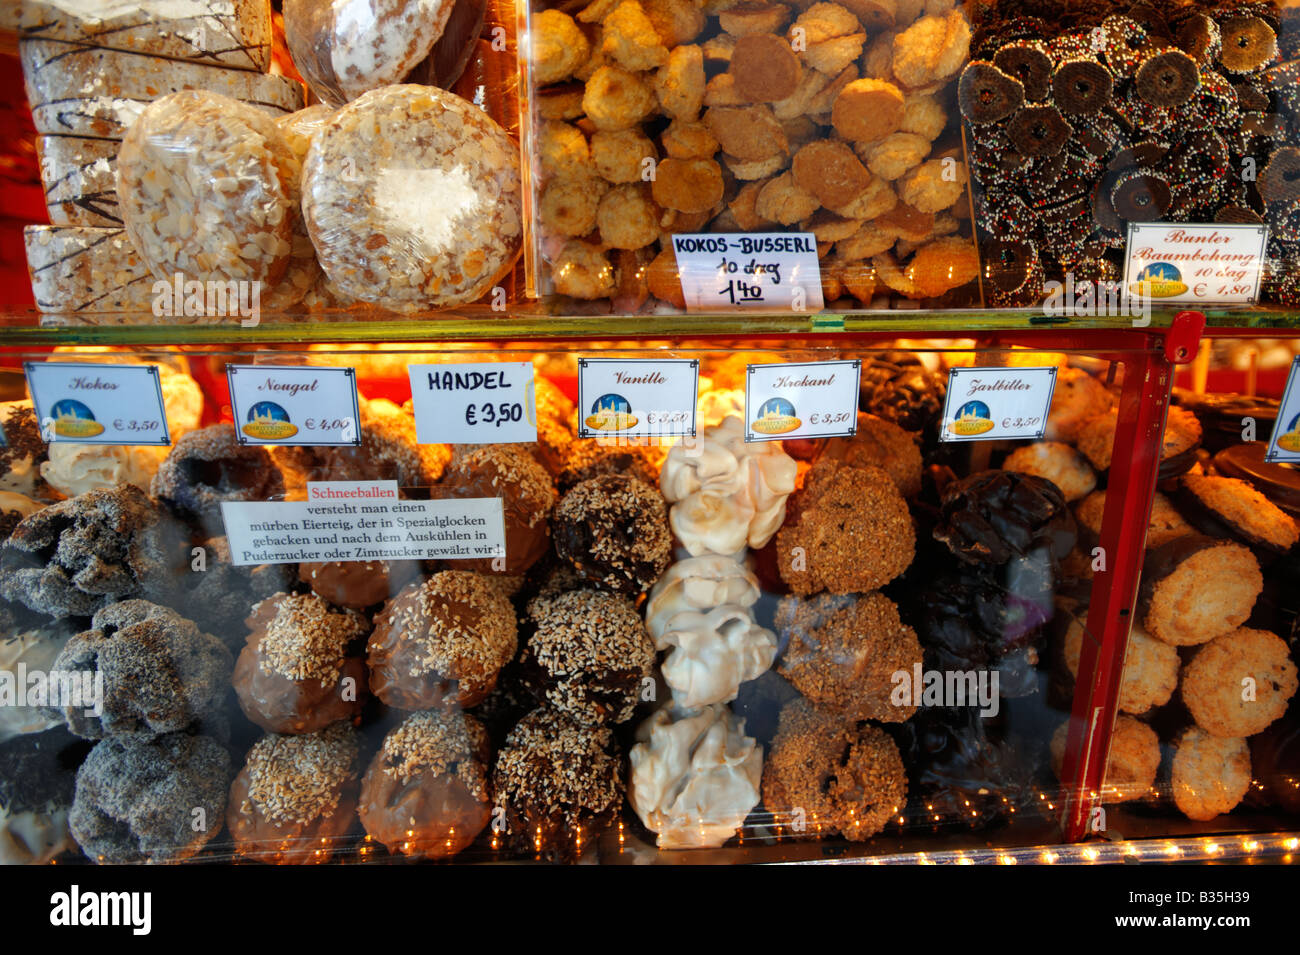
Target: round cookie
point(853, 534)
point(847, 777)
point(877, 443)
point(344, 48)
point(1239, 683)
point(441, 642)
point(160, 673)
point(613, 530)
point(1055, 462)
point(207, 187)
point(1131, 764)
point(1150, 668)
point(77, 556)
point(1077, 397)
point(560, 784)
point(208, 467)
point(136, 798)
point(1182, 436)
point(440, 184)
point(589, 657)
point(1280, 483)
point(842, 652)
point(1197, 588)
point(1210, 774)
point(357, 584)
point(527, 495)
point(425, 793)
point(296, 796)
point(1164, 525)
point(297, 672)
point(1229, 507)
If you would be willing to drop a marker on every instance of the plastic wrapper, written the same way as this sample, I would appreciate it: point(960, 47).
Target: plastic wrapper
point(349, 48)
point(438, 181)
point(87, 270)
point(208, 189)
point(80, 178)
point(230, 33)
point(84, 91)
point(650, 119)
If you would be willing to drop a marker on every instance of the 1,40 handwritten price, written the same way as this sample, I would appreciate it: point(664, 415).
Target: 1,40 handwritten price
point(1020, 422)
point(494, 414)
point(835, 417)
point(137, 426)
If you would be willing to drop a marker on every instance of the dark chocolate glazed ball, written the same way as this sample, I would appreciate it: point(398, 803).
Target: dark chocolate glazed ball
point(560, 783)
point(613, 530)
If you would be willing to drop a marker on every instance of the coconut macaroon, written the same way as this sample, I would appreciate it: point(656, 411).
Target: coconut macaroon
point(1239, 683)
point(1210, 773)
point(1059, 463)
point(1164, 525)
point(1197, 588)
point(1232, 508)
point(1131, 764)
point(1150, 668)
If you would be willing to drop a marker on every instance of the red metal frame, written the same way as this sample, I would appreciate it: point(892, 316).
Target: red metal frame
point(1130, 492)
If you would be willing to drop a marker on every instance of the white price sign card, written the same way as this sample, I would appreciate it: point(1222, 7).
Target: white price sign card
point(1179, 264)
point(987, 404)
point(294, 405)
point(802, 400)
point(363, 520)
point(98, 404)
point(1284, 445)
point(749, 270)
point(480, 403)
point(637, 397)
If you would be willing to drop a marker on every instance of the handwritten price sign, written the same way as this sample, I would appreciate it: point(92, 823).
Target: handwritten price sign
point(750, 270)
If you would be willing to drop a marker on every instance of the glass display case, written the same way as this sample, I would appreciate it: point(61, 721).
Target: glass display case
point(463, 526)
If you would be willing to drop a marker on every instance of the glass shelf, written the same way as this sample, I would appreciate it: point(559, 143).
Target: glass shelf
point(31, 328)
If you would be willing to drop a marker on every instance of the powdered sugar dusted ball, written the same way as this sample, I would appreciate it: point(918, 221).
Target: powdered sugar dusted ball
point(412, 199)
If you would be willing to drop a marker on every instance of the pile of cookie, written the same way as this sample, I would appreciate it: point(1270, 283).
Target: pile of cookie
point(170, 155)
point(664, 117)
point(1083, 122)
